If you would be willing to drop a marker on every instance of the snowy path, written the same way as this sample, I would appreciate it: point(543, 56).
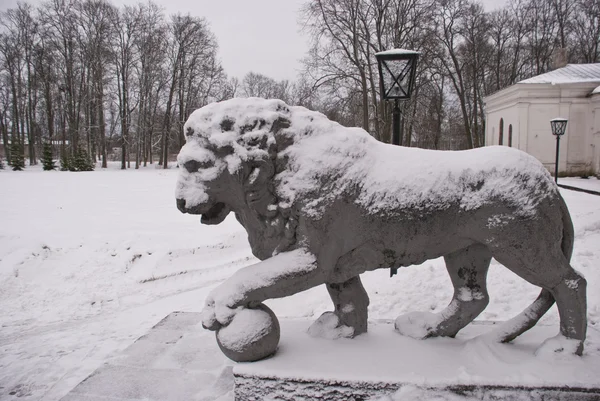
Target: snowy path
point(91, 261)
point(590, 183)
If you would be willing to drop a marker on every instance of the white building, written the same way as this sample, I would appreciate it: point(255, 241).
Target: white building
point(519, 116)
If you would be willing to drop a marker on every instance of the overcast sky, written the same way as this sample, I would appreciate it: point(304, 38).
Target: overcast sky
point(262, 36)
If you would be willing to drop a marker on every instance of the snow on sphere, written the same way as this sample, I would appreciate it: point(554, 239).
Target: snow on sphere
point(253, 334)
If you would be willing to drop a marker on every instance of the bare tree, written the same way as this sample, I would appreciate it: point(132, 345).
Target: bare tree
point(563, 13)
point(151, 48)
point(96, 17)
point(61, 32)
point(4, 110)
point(23, 20)
point(126, 26)
point(461, 31)
point(343, 56)
point(586, 31)
point(540, 40)
point(192, 61)
point(258, 85)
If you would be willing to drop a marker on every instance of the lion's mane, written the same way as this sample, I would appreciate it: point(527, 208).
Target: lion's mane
point(251, 146)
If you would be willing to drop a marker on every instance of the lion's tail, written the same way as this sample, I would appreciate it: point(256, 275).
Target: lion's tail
point(530, 316)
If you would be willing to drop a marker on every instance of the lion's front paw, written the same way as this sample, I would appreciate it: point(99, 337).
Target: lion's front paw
point(418, 325)
point(559, 345)
point(215, 316)
point(328, 326)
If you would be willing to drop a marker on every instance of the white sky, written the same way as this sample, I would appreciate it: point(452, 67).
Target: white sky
point(261, 36)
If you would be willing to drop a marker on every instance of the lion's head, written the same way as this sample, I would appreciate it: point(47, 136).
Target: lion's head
point(229, 163)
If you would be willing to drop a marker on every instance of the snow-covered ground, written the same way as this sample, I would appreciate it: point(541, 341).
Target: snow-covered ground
point(89, 262)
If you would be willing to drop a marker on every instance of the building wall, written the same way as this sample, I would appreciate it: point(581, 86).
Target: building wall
point(579, 157)
point(510, 116)
point(530, 107)
point(595, 133)
point(541, 143)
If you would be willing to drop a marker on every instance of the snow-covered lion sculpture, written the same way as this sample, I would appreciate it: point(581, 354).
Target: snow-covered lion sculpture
point(323, 203)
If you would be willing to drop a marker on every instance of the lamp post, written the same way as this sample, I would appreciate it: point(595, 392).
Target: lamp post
point(559, 125)
point(397, 69)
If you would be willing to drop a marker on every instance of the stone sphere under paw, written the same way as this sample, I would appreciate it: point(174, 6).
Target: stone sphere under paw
point(253, 334)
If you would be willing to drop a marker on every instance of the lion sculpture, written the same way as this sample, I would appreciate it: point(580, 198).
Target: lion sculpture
point(323, 203)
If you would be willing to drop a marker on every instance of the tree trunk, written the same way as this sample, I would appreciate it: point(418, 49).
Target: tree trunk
point(124, 111)
point(365, 99)
point(15, 134)
point(4, 130)
point(30, 119)
point(167, 120)
point(49, 109)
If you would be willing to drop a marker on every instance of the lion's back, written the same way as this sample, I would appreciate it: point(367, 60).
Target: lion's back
point(384, 178)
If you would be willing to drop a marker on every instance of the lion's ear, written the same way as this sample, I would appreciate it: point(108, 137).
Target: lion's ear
point(257, 185)
point(262, 171)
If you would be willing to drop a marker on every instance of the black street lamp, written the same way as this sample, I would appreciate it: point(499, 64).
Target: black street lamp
point(396, 78)
point(559, 125)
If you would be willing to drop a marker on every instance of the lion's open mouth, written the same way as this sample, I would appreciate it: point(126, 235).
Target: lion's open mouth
point(215, 214)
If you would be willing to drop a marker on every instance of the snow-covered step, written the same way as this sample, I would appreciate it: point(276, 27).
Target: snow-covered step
point(177, 360)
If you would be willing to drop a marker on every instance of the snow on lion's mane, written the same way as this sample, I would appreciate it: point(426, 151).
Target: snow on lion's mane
point(386, 177)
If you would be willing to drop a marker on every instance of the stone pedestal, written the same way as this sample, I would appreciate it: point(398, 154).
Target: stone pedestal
point(251, 388)
point(178, 360)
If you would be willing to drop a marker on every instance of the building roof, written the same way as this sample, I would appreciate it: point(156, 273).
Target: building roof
point(570, 74)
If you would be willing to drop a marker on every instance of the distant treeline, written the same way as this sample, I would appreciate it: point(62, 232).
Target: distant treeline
point(120, 82)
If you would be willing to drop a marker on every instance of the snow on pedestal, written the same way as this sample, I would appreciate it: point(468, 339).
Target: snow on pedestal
point(383, 362)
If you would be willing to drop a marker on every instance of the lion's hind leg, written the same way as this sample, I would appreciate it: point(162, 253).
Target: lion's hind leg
point(468, 271)
point(550, 269)
point(570, 296)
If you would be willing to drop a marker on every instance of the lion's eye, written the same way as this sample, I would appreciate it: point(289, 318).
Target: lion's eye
point(193, 166)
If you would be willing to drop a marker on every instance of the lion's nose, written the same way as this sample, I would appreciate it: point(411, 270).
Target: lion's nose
point(191, 166)
point(181, 205)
